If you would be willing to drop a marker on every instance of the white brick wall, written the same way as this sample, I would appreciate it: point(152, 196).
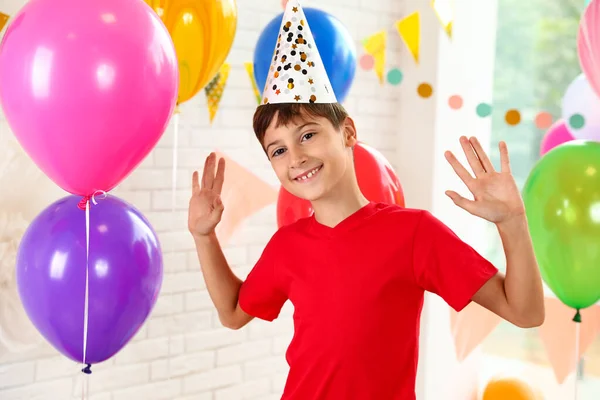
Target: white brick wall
point(183, 335)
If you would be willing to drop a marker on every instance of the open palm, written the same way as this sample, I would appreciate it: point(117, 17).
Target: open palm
point(496, 196)
point(206, 207)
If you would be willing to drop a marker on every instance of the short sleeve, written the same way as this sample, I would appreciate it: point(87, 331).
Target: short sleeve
point(261, 294)
point(447, 266)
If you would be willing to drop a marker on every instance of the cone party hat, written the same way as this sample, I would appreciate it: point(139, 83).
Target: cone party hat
point(297, 74)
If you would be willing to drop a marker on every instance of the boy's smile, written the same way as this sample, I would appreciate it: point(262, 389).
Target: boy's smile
point(309, 175)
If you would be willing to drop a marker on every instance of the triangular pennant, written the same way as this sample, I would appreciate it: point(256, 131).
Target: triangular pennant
point(214, 90)
point(558, 335)
point(243, 194)
point(444, 9)
point(409, 29)
point(3, 20)
point(250, 70)
point(375, 46)
point(470, 327)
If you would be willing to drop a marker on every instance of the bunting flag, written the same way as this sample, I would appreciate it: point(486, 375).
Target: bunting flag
point(558, 334)
point(409, 29)
point(375, 46)
point(214, 90)
point(470, 327)
point(243, 194)
point(250, 70)
point(444, 9)
point(3, 20)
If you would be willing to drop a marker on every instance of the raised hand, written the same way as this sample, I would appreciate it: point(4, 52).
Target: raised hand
point(206, 207)
point(496, 196)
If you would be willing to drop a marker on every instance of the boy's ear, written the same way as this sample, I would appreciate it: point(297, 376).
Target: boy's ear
point(350, 137)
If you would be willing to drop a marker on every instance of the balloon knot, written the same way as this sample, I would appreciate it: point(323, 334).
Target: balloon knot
point(87, 369)
point(577, 317)
point(83, 203)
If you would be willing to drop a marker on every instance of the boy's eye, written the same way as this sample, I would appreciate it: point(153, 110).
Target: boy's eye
point(308, 136)
point(277, 152)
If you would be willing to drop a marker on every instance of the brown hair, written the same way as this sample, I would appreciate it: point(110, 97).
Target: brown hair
point(288, 112)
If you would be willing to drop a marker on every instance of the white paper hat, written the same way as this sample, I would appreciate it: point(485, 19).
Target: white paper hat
point(297, 74)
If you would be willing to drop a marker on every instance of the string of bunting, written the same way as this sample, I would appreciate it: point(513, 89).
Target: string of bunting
point(409, 29)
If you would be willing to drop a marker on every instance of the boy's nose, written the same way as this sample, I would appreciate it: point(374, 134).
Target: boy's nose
point(298, 159)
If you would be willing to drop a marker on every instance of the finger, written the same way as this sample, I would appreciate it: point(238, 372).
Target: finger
point(220, 176)
point(219, 206)
point(481, 154)
point(471, 157)
point(462, 202)
point(208, 175)
point(461, 171)
point(195, 183)
point(504, 159)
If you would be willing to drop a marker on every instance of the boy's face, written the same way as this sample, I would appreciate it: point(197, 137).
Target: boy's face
point(310, 156)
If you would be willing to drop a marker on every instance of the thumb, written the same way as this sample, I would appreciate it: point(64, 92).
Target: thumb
point(462, 202)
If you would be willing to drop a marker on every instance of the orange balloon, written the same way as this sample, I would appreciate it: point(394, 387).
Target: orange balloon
point(202, 33)
point(376, 179)
point(509, 388)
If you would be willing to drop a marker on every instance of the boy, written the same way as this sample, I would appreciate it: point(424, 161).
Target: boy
point(356, 271)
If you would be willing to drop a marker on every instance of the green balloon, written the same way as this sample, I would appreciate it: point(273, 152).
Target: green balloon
point(562, 201)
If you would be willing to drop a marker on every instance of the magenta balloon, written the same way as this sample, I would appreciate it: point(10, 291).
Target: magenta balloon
point(556, 135)
point(87, 88)
point(588, 44)
point(125, 276)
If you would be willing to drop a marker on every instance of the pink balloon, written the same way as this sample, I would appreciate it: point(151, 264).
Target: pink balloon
point(87, 87)
point(588, 44)
point(556, 135)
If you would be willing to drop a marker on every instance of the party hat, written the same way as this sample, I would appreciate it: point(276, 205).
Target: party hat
point(297, 73)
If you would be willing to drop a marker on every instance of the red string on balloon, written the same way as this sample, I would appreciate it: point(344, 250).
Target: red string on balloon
point(83, 203)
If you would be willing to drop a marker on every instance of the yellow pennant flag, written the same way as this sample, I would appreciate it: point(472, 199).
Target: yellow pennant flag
point(3, 20)
point(444, 9)
point(375, 46)
point(250, 70)
point(214, 90)
point(409, 29)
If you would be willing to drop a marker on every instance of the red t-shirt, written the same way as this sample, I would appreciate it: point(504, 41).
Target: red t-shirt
point(357, 291)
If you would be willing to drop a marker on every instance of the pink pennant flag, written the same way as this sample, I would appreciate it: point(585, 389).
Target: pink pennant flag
point(470, 327)
point(558, 335)
point(243, 194)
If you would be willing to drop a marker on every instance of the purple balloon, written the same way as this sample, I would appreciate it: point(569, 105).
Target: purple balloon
point(125, 275)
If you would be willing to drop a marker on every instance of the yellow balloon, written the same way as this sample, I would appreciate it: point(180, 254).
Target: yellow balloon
point(510, 388)
point(202, 32)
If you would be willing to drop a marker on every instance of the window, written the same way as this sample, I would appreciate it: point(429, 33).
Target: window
point(536, 60)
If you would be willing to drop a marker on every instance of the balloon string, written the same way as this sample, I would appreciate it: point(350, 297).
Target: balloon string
point(577, 358)
point(86, 199)
point(86, 368)
point(175, 159)
point(173, 218)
